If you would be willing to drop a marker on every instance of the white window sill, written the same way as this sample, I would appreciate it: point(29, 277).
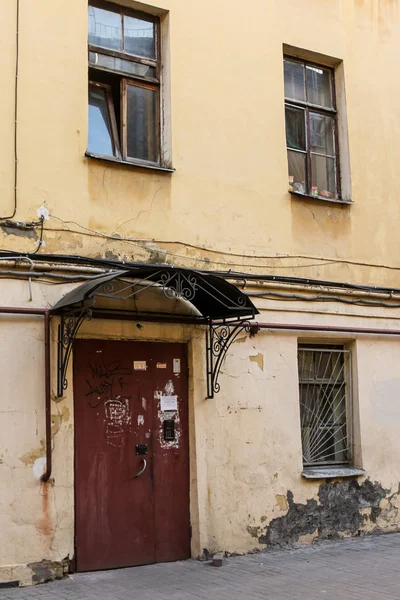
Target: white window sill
point(298, 195)
point(128, 163)
point(331, 472)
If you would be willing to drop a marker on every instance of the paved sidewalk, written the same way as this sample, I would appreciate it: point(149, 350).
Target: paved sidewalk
point(355, 569)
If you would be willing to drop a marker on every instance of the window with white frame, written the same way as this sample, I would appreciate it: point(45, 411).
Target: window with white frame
point(124, 84)
point(325, 404)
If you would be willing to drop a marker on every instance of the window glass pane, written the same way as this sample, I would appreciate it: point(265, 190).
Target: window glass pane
point(323, 176)
point(306, 365)
point(319, 88)
point(142, 125)
point(100, 137)
point(105, 28)
point(119, 64)
point(139, 37)
point(294, 80)
point(297, 172)
point(295, 128)
point(321, 134)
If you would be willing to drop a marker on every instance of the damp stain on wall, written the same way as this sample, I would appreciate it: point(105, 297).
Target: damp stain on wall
point(29, 457)
point(343, 508)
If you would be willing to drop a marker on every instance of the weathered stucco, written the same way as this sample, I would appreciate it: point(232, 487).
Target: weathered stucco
point(225, 207)
point(245, 449)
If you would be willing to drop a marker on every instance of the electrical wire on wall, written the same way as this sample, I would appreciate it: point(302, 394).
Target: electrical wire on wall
point(74, 259)
point(15, 117)
point(40, 241)
point(141, 243)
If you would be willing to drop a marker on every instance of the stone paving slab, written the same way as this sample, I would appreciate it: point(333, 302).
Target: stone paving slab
point(354, 569)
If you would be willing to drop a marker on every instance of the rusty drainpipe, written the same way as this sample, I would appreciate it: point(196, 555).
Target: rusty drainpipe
point(43, 312)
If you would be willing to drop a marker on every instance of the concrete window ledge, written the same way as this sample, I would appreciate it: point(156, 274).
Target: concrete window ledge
point(331, 472)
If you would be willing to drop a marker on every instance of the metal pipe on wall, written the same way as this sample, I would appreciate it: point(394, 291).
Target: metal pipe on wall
point(325, 329)
point(42, 312)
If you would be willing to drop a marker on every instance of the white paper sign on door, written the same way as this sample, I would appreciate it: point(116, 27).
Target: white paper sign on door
point(168, 403)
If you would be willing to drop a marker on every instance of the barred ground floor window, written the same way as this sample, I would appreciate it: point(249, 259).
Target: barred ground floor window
point(325, 404)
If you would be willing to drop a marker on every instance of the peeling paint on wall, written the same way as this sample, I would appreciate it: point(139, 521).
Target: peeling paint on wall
point(166, 416)
point(48, 570)
point(58, 419)
point(20, 232)
point(30, 457)
point(258, 359)
point(281, 501)
point(342, 508)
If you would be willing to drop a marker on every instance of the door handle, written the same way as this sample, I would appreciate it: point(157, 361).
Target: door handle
point(142, 470)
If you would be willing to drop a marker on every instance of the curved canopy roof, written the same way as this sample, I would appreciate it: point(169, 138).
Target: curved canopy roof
point(212, 296)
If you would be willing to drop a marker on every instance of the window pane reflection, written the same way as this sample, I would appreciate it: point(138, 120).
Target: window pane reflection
point(105, 28)
point(295, 128)
point(294, 80)
point(142, 123)
point(119, 64)
point(100, 138)
point(323, 176)
point(321, 134)
point(319, 89)
point(297, 172)
point(139, 37)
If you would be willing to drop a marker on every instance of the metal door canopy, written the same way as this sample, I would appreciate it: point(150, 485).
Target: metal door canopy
point(213, 297)
point(218, 303)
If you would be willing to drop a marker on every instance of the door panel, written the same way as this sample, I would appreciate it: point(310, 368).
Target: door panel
point(121, 519)
point(171, 468)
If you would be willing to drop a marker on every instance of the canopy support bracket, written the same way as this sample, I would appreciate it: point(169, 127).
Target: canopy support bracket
point(220, 336)
point(67, 330)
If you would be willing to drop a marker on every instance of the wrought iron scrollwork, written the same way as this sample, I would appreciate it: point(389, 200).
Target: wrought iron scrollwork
point(67, 331)
point(175, 284)
point(178, 285)
point(219, 339)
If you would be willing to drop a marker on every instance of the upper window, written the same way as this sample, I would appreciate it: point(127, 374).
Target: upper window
point(325, 405)
point(311, 129)
point(124, 84)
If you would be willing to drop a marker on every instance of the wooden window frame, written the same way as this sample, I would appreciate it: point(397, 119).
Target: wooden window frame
point(324, 111)
point(125, 82)
point(120, 140)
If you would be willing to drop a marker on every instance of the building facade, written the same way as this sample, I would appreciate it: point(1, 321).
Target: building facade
point(200, 285)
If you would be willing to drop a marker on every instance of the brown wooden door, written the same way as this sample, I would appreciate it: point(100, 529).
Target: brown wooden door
point(130, 398)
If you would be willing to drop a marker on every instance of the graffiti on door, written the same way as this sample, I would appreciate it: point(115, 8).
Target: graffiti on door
point(117, 421)
point(106, 379)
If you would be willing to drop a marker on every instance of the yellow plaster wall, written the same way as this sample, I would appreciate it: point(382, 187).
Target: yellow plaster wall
point(228, 195)
point(228, 200)
point(245, 446)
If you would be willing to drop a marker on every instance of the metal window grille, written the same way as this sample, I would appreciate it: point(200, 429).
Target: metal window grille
point(325, 405)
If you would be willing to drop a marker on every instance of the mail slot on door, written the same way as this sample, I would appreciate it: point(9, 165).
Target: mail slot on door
point(141, 449)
